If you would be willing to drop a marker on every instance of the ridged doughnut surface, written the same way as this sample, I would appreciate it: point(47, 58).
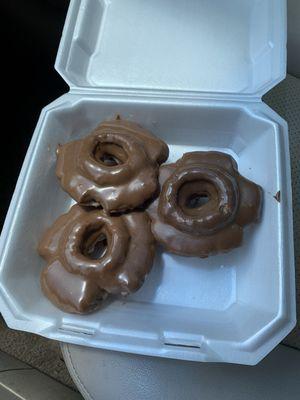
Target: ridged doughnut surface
point(203, 205)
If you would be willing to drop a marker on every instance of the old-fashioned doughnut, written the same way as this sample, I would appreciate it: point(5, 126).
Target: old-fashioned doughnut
point(115, 167)
point(204, 205)
point(90, 255)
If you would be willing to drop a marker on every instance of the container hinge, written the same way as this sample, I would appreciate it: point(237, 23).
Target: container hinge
point(162, 95)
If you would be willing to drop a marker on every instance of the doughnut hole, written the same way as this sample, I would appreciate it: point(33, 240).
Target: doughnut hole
point(197, 200)
point(194, 195)
point(109, 154)
point(94, 244)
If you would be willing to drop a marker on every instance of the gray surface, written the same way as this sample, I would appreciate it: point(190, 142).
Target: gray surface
point(102, 374)
point(20, 381)
point(293, 42)
point(41, 353)
point(8, 362)
point(31, 384)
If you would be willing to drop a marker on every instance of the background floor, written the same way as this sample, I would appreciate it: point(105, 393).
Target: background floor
point(36, 351)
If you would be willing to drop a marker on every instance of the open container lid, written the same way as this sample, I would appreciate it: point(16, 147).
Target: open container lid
point(202, 46)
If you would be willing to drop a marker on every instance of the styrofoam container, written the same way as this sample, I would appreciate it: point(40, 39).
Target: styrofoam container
point(193, 72)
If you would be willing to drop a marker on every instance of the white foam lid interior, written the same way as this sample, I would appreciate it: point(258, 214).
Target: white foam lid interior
point(232, 46)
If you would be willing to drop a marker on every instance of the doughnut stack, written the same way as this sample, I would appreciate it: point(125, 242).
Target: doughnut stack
point(126, 202)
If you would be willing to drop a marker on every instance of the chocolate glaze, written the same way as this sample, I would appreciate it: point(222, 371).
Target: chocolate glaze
point(204, 205)
point(83, 268)
point(115, 167)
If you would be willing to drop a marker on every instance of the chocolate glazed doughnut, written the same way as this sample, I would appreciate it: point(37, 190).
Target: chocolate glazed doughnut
point(204, 205)
point(90, 255)
point(115, 167)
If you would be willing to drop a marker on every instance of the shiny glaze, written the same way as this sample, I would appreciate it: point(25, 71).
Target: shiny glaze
point(115, 167)
point(216, 226)
point(76, 282)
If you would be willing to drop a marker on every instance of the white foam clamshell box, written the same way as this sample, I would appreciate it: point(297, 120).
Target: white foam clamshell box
point(192, 72)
